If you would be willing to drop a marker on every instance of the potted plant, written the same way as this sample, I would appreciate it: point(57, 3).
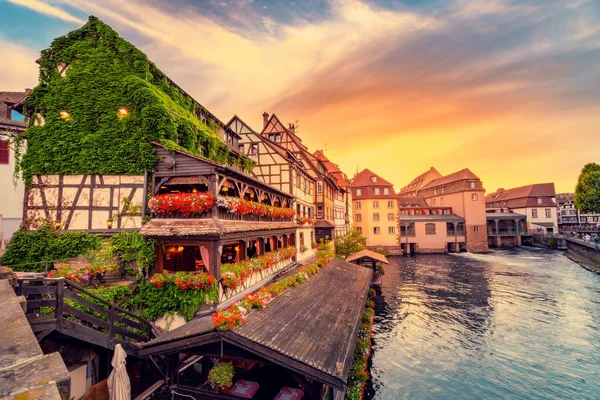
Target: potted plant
point(221, 376)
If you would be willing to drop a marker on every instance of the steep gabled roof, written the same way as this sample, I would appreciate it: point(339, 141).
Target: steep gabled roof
point(407, 201)
point(364, 179)
point(332, 168)
point(420, 181)
point(454, 177)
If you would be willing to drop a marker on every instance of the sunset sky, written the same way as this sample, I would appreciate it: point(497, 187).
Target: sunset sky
point(509, 89)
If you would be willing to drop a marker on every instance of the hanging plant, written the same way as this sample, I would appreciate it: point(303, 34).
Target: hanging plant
point(221, 375)
point(184, 203)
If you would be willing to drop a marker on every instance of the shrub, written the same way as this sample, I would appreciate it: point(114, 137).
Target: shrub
point(221, 375)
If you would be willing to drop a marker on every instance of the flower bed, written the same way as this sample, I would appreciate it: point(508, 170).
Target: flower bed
point(182, 292)
point(359, 373)
point(236, 205)
point(235, 315)
point(183, 203)
point(234, 275)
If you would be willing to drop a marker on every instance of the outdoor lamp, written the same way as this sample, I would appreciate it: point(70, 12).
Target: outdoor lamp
point(109, 223)
point(57, 224)
point(122, 112)
point(225, 189)
point(64, 114)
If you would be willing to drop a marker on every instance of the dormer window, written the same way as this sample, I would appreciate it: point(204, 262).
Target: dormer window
point(472, 185)
point(434, 191)
point(386, 190)
point(275, 137)
point(376, 190)
point(373, 179)
point(442, 190)
point(359, 192)
point(539, 200)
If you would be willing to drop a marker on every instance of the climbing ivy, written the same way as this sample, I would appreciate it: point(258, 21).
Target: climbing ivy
point(83, 131)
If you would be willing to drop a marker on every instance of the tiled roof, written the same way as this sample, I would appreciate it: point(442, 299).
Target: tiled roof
point(322, 223)
point(364, 179)
point(178, 227)
point(412, 201)
point(535, 190)
point(12, 97)
point(332, 168)
point(454, 177)
point(420, 180)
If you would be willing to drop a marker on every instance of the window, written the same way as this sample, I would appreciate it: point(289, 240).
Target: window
point(359, 192)
point(376, 230)
point(301, 238)
point(391, 230)
point(254, 150)
point(472, 185)
point(386, 190)
point(390, 204)
point(4, 152)
point(534, 213)
point(376, 217)
point(275, 137)
point(391, 216)
point(430, 229)
point(548, 213)
point(358, 229)
point(376, 191)
point(242, 149)
point(474, 197)
point(373, 179)
point(376, 204)
point(443, 190)
point(476, 228)
point(539, 200)
point(357, 205)
point(319, 187)
point(433, 202)
point(434, 191)
point(319, 211)
point(357, 217)
point(15, 115)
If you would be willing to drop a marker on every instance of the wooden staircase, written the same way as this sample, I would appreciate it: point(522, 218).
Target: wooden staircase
point(65, 307)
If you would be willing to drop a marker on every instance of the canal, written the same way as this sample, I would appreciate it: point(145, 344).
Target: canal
point(518, 324)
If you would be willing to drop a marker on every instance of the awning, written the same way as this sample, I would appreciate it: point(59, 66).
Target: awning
point(177, 227)
point(367, 254)
point(504, 215)
point(311, 330)
point(323, 223)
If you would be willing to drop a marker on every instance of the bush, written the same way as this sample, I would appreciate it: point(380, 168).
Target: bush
point(221, 375)
point(28, 250)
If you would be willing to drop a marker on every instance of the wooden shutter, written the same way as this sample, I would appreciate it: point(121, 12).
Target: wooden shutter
point(4, 152)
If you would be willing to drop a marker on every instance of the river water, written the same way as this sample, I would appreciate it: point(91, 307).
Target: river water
point(511, 324)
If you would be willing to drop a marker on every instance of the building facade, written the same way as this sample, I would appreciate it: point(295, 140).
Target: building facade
point(11, 194)
point(569, 218)
point(537, 202)
point(452, 208)
point(374, 209)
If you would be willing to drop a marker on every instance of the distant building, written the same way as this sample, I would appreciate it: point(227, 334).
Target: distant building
point(11, 196)
point(443, 213)
point(375, 208)
point(570, 218)
point(537, 202)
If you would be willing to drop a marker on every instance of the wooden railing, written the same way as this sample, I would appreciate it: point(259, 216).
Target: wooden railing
point(61, 305)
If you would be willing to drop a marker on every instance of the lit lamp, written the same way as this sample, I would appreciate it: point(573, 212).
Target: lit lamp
point(122, 112)
point(109, 223)
point(225, 189)
point(57, 224)
point(64, 114)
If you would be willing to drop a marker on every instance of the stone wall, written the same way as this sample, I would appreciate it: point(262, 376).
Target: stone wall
point(477, 242)
point(583, 249)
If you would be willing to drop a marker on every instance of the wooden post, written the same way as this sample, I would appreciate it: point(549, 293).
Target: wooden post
point(111, 323)
point(60, 300)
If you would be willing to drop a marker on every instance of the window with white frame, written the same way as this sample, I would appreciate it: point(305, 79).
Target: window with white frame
point(476, 228)
point(373, 179)
point(357, 217)
point(548, 213)
point(390, 204)
point(357, 205)
point(472, 185)
point(376, 191)
point(375, 216)
point(319, 188)
point(442, 190)
point(386, 190)
point(539, 200)
point(359, 192)
point(391, 216)
point(534, 213)
point(376, 204)
point(391, 230)
point(474, 197)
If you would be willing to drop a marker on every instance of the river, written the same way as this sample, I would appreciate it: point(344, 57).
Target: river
point(511, 324)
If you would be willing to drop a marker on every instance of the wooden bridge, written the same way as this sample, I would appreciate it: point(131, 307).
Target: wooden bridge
point(65, 307)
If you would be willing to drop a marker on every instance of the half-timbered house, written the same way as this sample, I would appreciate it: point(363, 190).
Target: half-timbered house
point(281, 169)
point(325, 184)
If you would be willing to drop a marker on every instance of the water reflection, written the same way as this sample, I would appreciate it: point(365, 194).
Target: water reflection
point(519, 323)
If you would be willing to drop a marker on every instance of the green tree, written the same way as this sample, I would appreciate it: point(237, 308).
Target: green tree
point(350, 243)
point(587, 191)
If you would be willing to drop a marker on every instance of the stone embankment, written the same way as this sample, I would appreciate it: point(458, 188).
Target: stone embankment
point(583, 253)
point(25, 371)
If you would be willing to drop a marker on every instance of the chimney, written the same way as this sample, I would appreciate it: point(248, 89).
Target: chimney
point(292, 128)
point(265, 119)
